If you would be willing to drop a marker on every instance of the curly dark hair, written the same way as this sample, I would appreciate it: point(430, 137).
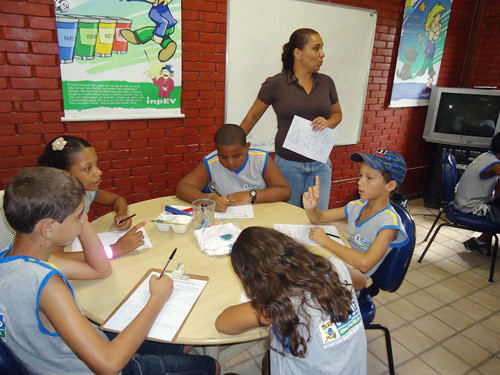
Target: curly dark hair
point(276, 272)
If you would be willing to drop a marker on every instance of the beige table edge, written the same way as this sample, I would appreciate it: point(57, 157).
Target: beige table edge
point(222, 290)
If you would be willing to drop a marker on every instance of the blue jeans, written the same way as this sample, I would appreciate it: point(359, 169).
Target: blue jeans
point(154, 358)
point(300, 176)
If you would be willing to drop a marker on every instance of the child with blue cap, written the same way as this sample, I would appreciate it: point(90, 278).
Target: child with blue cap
point(374, 226)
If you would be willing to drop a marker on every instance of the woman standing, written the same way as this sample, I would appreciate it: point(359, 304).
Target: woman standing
point(299, 90)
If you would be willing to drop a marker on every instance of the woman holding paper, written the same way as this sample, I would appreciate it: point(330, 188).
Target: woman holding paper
point(299, 90)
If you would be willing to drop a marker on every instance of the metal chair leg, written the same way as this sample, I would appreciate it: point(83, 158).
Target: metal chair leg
point(388, 344)
point(493, 258)
point(433, 225)
point(430, 242)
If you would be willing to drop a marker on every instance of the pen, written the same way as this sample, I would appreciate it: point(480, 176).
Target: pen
point(169, 259)
point(333, 235)
point(130, 217)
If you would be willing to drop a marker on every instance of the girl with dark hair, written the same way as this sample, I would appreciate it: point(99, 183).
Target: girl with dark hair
point(299, 90)
point(77, 156)
point(307, 301)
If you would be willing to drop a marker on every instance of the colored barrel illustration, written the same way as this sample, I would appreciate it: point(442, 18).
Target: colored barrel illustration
point(86, 38)
point(66, 37)
point(120, 44)
point(105, 37)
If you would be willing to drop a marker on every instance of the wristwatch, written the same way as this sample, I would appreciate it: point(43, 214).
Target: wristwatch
point(253, 195)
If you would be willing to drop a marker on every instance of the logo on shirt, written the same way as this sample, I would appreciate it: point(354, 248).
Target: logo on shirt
point(2, 327)
point(250, 186)
point(362, 241)
point(334, 333)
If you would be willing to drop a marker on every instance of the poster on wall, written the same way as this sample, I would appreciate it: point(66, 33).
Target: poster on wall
point(120, 59)
point(425, 23)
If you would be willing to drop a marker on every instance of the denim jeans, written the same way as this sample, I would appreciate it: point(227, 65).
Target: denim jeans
point(154, 358)
point(300, 176)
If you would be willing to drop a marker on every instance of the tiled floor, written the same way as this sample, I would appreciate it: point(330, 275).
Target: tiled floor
point(444, 319)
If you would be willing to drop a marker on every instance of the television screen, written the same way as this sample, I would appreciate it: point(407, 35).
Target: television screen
point(467, 114)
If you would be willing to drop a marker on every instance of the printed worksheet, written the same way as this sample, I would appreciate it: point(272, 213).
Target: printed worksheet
point(300, 232)
point(171, 316)
point(109, 238)
point(245, 211)
point(304, 141)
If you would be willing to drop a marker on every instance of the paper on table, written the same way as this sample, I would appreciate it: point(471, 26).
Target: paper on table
point(300, 232)
point(244, 211)
point(171, 316)
point(109, 238)
point(314, 145)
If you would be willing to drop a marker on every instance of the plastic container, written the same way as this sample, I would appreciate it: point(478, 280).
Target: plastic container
point(183, 221)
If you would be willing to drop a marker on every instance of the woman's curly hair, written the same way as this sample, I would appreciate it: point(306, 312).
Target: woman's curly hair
point(282, 278)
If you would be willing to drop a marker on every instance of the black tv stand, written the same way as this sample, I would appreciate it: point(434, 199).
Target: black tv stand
point(463, 156)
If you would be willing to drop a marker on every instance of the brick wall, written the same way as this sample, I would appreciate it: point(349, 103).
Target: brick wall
point(143, 159)
point(485, 69)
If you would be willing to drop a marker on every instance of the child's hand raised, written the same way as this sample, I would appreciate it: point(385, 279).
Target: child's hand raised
point(125, 225)
point(319, 236)
point(133, 239)
point(161, 287)
point(310, 198)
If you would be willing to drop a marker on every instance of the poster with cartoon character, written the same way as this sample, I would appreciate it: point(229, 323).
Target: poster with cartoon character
point(118, 58)
point(425, 23)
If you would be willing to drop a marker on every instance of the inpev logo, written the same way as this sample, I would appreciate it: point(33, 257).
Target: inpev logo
point(2, 327)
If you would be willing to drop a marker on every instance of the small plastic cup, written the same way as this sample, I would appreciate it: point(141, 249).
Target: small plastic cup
point(203, 213)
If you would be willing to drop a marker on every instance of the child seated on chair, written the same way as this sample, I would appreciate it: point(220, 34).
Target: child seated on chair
point(240, 174)
point(373, 224)
point(475, 193)
point(42, 321)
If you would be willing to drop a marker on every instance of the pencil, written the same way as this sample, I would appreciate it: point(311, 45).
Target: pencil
point(130, 217)
point(165, 222)
point(334, 235)
point(169, 259)
point(212, 186)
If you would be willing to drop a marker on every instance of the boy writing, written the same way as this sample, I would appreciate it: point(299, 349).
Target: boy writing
point(240, 174)
point(374, 227)
point(475, 191)
point(44, 325)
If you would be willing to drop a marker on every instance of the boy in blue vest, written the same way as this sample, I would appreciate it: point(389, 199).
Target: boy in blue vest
point(239, 174)
point(44, 325)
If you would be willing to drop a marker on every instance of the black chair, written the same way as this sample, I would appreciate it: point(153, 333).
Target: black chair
point(457, 219)
point(389, 277)
point(9, 364)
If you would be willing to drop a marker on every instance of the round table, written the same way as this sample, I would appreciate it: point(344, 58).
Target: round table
point(99, 298)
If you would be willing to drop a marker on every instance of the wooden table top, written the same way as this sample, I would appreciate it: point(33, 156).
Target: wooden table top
point(99, 298)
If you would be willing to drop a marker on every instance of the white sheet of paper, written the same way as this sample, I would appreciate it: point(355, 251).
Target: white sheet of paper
point(109, 238)
point(314, 145)
point(171, 316)
point(245, 211)
point(300, 232)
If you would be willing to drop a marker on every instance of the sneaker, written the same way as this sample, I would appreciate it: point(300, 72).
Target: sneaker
point(472, 245)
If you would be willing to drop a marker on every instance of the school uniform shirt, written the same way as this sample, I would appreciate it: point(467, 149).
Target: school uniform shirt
point(473, 191)
point(362, 234)
point(288, 98)
point(33, 340)
point(333, 348)
point(89, 198)
point(248, 177)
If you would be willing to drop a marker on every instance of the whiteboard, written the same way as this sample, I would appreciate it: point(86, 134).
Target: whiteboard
point(256, 32)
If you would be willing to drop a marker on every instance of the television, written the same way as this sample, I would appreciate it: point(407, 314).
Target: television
point(462, 117)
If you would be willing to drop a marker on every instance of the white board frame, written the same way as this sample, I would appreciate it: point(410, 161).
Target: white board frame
point(256, 32)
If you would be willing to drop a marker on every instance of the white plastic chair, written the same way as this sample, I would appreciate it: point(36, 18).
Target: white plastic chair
point(7, 234)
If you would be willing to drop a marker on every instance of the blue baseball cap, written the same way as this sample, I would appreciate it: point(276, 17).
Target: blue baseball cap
point(384, 161)
point(169, 68)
